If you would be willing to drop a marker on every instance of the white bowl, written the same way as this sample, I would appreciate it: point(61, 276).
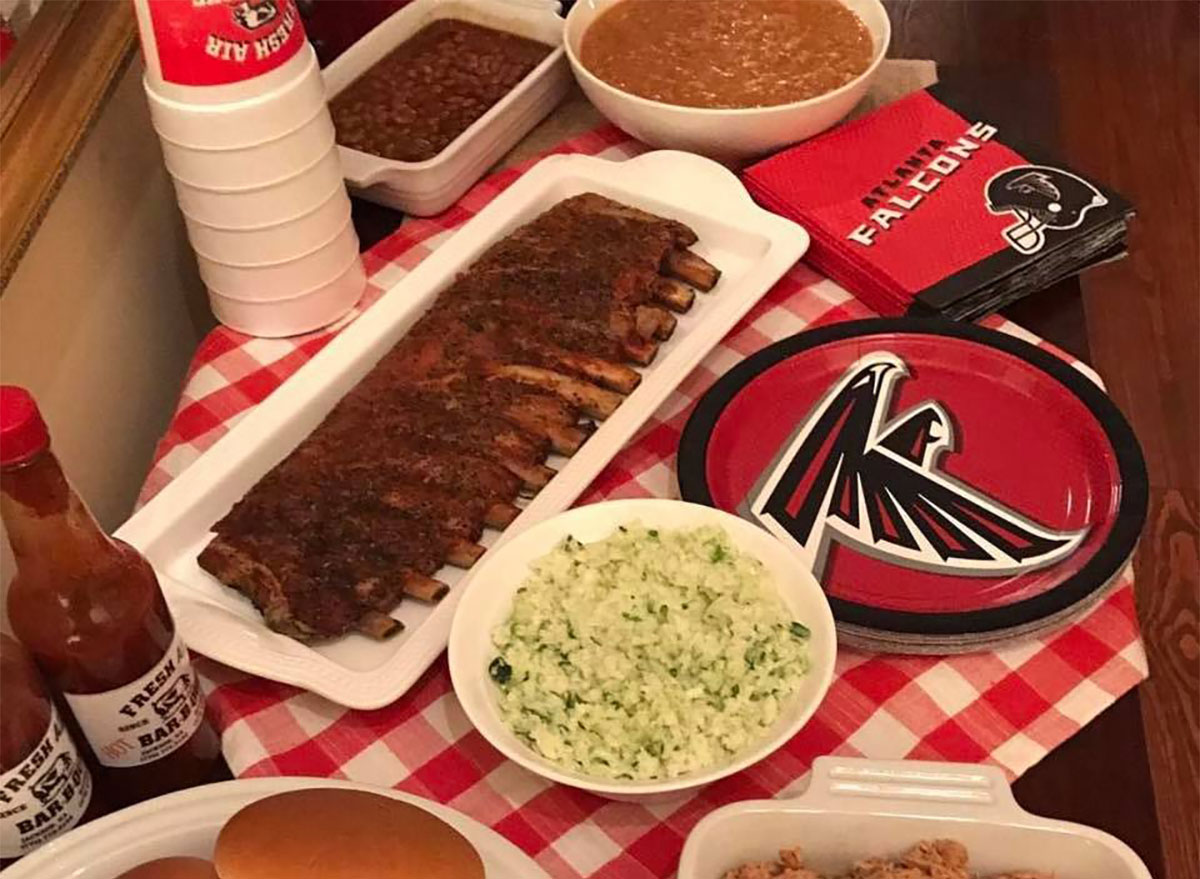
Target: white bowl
point(267, 281)
point(854, 808)
point(487, 601)
point(257, 110)
point(723, 134)
point(274, 242)
point(263, 205)
point(252, 166)
point(431, 186)
point(302, 313)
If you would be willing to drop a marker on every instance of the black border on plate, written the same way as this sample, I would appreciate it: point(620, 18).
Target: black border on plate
point(1095, 575)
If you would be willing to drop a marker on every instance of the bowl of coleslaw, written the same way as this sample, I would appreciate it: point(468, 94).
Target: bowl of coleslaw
point(641, 648)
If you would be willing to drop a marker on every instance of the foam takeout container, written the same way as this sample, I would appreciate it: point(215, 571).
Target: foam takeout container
point(430, 186)
point(855, 808)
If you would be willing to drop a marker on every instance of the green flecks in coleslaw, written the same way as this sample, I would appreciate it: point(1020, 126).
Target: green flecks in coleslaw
point(647, 655)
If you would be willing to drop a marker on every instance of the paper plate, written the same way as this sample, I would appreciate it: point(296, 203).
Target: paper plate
point(187, 823)
point(948, 485)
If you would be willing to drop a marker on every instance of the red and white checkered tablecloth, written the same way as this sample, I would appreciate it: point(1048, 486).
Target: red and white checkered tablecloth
point(1009, 707)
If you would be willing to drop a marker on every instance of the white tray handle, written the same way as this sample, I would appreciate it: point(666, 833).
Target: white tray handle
point(853, 784)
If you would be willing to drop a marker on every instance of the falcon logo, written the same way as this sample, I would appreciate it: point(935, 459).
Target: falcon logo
point(855, 475)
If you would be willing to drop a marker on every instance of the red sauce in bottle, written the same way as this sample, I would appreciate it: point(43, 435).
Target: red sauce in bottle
point(45, 786)
point(90, 611)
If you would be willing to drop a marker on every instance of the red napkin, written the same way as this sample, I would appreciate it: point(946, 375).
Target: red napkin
point(900, 205)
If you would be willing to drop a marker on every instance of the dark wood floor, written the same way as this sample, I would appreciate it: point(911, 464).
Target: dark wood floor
point(1116, 85)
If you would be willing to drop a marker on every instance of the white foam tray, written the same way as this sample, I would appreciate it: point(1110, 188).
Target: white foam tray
point(187, 823)
point(752, 247)
point(853, 809)
point(429, 187)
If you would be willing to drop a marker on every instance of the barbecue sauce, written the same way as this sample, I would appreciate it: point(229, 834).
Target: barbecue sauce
point(90, 611)
point(45, 786)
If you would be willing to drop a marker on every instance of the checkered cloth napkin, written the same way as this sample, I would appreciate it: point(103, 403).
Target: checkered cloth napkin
point(1009, 707)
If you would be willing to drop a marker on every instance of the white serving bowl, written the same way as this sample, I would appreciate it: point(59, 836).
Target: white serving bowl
point(488, 598)
point(273, 242)
point(723, 134)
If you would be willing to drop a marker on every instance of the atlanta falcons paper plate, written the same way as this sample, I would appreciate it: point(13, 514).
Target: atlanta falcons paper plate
point(950, 486)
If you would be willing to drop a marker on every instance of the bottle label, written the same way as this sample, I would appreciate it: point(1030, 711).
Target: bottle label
point(45, 795)
point(146, 719)
point(215, 42)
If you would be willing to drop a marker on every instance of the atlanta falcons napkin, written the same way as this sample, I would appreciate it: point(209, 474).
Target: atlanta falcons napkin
point(919, 208)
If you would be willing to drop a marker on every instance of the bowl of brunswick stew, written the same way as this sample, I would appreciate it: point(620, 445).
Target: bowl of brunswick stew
point(729, 79)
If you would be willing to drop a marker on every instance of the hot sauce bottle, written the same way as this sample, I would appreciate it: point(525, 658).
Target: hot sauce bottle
point(45, 786)
point(90, 611)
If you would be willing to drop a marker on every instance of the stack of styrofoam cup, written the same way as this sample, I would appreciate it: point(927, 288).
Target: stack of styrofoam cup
point(238, 102)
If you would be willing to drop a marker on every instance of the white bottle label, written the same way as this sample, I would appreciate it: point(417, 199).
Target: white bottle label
point(45, 795)
point(146, 719)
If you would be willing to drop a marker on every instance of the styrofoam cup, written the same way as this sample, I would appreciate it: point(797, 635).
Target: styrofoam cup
point(252, 166)
point(310, 310)
point(267, 78)
point(275, 242)
point(279, 280)
point(264, 205)
point(258, 117)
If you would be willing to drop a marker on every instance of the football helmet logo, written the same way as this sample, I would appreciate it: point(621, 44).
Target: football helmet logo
point(1040, 198)
point(855, 475)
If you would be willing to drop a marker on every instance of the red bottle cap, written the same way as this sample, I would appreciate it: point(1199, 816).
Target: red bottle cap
point(22, 431)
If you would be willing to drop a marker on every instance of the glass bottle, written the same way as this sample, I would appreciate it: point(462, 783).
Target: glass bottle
point(45, 786)
point(90, 611)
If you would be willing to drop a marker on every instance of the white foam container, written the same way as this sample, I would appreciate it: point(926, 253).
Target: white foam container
point(187, 823)
point(263, 205)
point(856, 808)
point(273, 242)
point(488, 601)
point(252, 166)
point(751, 246)
point(431, 186)
point(270, 281)
point(299, 313)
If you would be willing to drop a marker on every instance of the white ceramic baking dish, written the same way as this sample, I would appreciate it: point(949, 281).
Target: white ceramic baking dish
point(431, 186)
point(751, 246)
point(854, 809)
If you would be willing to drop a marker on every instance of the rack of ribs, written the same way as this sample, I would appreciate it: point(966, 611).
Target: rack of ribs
point(513, 361)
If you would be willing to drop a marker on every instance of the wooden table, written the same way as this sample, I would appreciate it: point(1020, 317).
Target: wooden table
point(1121, 82)
point(1116, 87)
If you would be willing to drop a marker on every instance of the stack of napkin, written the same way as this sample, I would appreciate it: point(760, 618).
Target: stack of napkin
point(917, 209)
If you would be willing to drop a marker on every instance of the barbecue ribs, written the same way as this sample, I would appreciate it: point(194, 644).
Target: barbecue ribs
point(436, 443)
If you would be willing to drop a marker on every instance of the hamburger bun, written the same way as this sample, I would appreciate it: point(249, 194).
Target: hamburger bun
point(172, 868)
point(334, 833)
